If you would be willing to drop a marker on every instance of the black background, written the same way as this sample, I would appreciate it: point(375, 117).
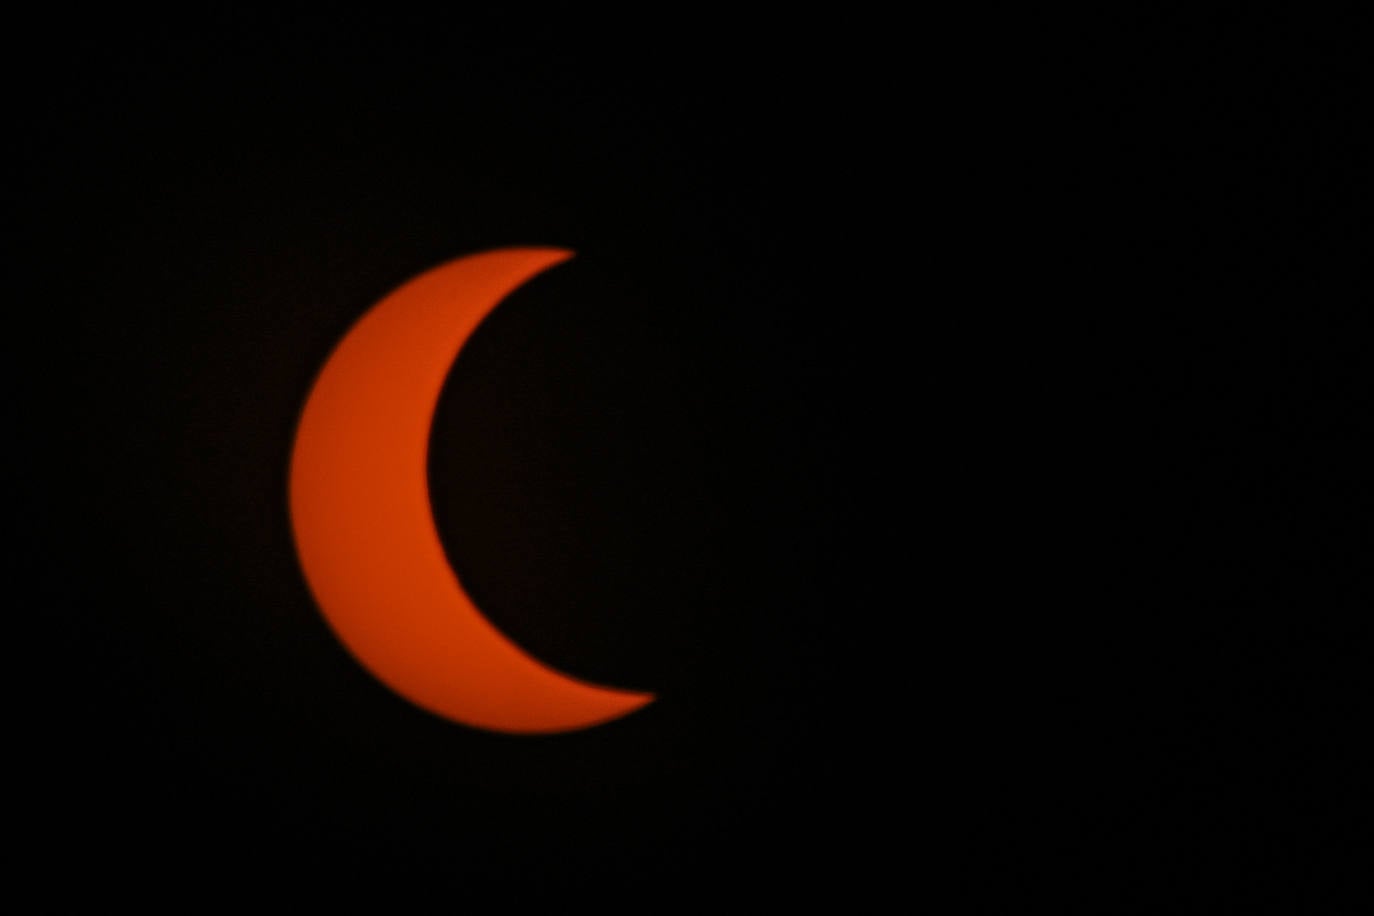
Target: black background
point(962, 437)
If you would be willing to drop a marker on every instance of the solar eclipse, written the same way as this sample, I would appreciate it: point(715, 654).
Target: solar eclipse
point(364, 527)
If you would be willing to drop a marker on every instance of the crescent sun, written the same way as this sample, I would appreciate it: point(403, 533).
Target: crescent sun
point(364, 528)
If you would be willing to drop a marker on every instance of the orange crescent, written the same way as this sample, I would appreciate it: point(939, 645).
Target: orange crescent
point(364, 528)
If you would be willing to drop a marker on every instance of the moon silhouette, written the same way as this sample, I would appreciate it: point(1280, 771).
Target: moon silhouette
point(364, 527)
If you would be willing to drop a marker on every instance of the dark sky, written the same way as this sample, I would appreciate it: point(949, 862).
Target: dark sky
point(963, 438)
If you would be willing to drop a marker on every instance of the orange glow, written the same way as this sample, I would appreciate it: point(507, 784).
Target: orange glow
point(364, 529)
